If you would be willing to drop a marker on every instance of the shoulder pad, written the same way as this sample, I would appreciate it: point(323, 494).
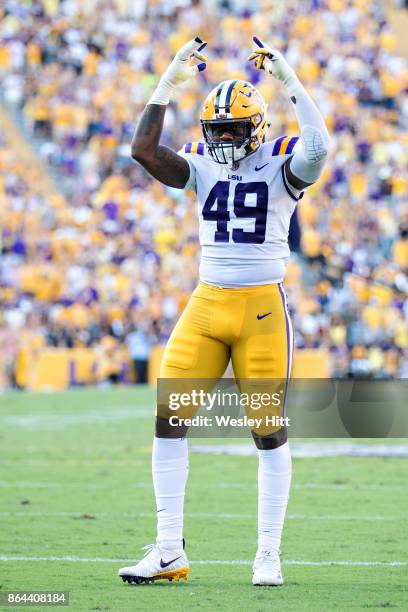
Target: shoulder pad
point(284, 145)
point(194, 147)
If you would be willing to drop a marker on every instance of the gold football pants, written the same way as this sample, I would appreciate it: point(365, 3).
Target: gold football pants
point(250, 326)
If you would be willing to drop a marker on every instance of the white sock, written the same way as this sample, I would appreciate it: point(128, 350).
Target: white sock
point(274, 475)
point(170, 471)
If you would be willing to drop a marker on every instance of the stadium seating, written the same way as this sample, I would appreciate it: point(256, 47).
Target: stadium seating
point(95, 250)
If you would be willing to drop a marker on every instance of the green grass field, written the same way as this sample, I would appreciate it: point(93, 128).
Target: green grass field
point(77, 504)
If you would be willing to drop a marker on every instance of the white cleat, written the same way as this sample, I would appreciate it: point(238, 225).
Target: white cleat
point(157, 564)
point(267, 569)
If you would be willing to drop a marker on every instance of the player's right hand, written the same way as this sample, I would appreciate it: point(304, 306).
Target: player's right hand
point(183, 66)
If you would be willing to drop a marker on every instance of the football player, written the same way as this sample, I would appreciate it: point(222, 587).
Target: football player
point(247, 190)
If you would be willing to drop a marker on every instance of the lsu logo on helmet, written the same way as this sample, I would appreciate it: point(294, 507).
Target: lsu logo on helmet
point(236, 107)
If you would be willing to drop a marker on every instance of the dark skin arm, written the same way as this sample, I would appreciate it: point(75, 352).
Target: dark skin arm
point(162, 163)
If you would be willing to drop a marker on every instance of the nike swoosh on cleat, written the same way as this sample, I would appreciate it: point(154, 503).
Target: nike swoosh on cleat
point(259, 317)
point(260, 167)
point(163, 564)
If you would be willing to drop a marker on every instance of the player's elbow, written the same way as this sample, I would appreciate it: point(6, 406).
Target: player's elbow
point(139, 153)
point(320, 155)
point(327, 144)
point(141, 150)
point(315, 145)
point(322, 151)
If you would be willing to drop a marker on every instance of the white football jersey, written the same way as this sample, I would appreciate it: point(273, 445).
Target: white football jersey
point(244, 214)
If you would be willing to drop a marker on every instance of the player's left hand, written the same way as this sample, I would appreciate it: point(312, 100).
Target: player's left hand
point(271, 60)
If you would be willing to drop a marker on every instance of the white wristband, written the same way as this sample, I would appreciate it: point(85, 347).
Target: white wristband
point(162, 93)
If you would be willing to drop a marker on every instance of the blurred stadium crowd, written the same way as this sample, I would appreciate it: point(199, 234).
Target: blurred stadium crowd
point(109, 260)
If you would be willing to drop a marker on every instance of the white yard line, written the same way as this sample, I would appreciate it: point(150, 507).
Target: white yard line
point(45, 421)
point(310, 450)
point(210, 515)
point(10, 484)
point(22, 484)
point(306, 450)
point(74, 559)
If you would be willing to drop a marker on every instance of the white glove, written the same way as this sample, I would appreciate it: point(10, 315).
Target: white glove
point(311, 151)
point(181, 69)
point(273, 62)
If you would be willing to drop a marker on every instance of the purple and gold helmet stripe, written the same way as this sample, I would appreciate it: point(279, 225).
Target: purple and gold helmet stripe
point(228, 96)
point(217, 99)
point(223, 99)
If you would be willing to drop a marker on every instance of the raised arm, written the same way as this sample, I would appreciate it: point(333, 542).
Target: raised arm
point(162, 162)
point(310, 152)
